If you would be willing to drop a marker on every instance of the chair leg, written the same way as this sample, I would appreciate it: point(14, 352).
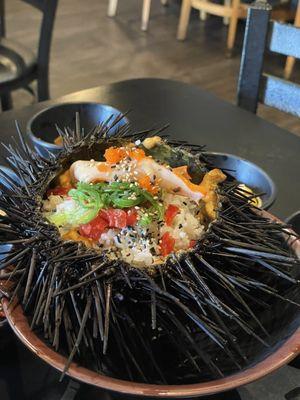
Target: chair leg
point(6, 102)
point(289, 66)
point(184, 19)
point(227, 3)
point(290, 62)
point(43, 87)
point(203, 14)
point(145, 14)
point(112, 8)
point(233, 24)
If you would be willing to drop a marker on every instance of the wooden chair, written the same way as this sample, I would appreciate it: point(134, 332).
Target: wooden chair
point(19, 66)
point(112, 10)
point(231, 10)
point(255, 86)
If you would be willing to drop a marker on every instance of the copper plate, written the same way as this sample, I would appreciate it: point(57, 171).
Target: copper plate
point(283, 355)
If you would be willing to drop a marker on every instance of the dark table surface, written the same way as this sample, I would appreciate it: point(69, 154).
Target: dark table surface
point(198, 117)
point(195, 116)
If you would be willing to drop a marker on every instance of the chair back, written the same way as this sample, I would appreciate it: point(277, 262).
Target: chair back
point(255, 86)
point(48, 9)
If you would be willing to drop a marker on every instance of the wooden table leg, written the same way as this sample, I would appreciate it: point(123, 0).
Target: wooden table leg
point(184, 19)
point(112, 8)
point(290, 61)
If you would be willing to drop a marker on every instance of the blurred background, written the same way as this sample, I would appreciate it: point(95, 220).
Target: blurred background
point(91, 49)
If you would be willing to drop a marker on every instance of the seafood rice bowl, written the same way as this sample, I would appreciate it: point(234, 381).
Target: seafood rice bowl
point(132, 205)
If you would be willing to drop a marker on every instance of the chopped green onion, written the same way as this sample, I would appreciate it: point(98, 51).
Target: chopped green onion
point(156, 206)
point(74, 217)
point(145, 220)
point(91, 198)
point(125, 201)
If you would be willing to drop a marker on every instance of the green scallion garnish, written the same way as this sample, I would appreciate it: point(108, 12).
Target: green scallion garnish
point(91, 198)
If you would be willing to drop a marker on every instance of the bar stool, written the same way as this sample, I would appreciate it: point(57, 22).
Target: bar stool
point(112, 10)
point(230, 10)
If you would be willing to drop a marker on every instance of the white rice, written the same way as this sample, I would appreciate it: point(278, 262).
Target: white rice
point(186, 225)
point(140, 246)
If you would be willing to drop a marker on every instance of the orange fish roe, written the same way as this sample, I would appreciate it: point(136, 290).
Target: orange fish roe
point(137, 154)
point(145, 183)
point(114, 155)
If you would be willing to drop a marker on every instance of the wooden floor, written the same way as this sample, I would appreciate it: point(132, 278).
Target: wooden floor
point(90, 49)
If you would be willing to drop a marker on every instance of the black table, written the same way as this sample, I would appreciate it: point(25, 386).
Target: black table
point(197, 117)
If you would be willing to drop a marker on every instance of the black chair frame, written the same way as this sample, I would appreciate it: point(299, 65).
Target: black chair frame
point(2, 20)
point(40, 71)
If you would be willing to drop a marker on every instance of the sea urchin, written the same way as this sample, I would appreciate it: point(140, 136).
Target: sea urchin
point(198, 313)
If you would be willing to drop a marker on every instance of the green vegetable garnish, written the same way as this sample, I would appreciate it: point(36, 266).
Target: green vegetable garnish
point(145, 220)
point(91, 198)
point(74, 217)
point(88, 198)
